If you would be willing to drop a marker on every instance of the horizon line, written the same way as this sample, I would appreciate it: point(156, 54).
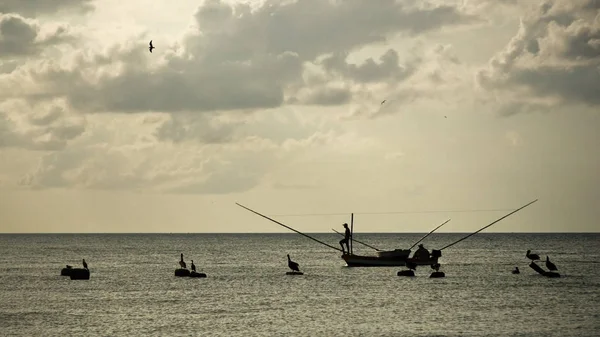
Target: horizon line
point(169, 233)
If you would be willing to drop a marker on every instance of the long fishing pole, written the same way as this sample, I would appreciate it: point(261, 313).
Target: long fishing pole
point(290, 228)
point(353, 239)
point(507, 215)
point(423, 238)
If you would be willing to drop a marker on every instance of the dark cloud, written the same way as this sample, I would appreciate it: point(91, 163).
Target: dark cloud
point(327, 96)
point(21, 37)
point(555, 56)
point(387, 69)
point(247, 59)
point(32, 8)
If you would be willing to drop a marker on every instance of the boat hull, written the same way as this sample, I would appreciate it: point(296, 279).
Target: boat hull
point(377, 261)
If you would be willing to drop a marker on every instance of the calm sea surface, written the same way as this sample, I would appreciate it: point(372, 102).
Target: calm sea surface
point(133, 290)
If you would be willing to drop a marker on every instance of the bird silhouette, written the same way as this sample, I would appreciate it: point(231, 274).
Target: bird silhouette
point(516, 271)
point(181, 262)
point(293, 265)
point(532, 257)
point(151, 46)
point(85, 264)
point(550, 265)
point(383, 101)
point(193, 266)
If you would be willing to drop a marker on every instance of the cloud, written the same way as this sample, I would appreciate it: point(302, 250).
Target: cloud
point(139, 161)
point(239, 58)
point(554, 59)
point(23, 37)
point(38, 127)
point(32, 8)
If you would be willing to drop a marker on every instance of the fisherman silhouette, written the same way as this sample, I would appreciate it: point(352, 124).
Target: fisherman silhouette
point(346, 239)
point(422, 253)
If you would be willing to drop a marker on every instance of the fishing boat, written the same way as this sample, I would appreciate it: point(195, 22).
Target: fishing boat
point(390, 258)
point(387, 258)
point(398, 260)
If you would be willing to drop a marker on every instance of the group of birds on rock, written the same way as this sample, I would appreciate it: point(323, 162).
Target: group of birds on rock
point(535, 257)
point(184, 266)
point(183, 271)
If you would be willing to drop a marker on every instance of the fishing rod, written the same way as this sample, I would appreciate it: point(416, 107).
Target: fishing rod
point(353, 239)
point(290, 228)
point(423, 238)
point(507, 215)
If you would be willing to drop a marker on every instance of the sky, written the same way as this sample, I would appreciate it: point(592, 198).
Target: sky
point(277, 105)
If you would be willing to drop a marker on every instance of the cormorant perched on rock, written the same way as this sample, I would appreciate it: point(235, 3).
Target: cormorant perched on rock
point(85, 264)
point(516, 271)
point(193, 266)
point(293, 265)
point(181, 262)
point(532, 257)
point(550, 265)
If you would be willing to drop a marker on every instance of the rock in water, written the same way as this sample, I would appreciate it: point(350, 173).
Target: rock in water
point(406, 273)
point(196, 274)
point(79, 274)
point(181, 272)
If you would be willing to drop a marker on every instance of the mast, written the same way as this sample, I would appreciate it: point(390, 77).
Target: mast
point(351, 232)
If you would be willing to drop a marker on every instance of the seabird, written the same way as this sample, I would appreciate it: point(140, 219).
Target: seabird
point(151, 46)
point(516, 271)
point(293, 265)
point(193, 266)
point(550, 265)
point(85, 264)
point(181, 262)
point(532, 257)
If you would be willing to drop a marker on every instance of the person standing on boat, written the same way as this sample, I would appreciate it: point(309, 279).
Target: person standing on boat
point(346, 239)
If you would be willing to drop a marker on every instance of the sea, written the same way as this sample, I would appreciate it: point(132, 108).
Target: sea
point(132, 290)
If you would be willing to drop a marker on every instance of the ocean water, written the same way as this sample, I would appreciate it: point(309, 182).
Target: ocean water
point(133, 291)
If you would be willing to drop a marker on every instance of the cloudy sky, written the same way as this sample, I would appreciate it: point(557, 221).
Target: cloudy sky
point(489, 104)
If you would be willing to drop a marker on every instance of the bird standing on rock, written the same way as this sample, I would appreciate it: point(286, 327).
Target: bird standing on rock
point(550, 265)
point(293, 265)
point(532, 257)
point(181, 262)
